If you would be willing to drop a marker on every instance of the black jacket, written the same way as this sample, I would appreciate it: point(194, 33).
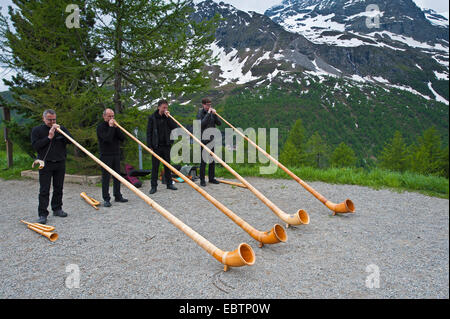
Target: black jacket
point(207, 120)
point(109, 139)
point(41, 143)
point(158, 130)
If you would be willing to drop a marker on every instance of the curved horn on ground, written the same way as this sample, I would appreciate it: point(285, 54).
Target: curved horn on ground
point(90, 200)
point(40, 226)
point(51, 236)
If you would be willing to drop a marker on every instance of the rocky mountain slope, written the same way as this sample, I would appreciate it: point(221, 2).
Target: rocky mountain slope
point(408, 50)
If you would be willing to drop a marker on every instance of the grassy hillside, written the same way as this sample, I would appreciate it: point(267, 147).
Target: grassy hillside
point(363, 116)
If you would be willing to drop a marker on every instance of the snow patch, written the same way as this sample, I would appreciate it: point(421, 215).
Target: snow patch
point(436, 95)
point(441, 76)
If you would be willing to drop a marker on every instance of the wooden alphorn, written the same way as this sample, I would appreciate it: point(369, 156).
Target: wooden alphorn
point(275, 235)
point(345, 207)
point(300, 217)
point(40, 226)
point(242, 256)
point(90, 200)
point(231, 183)
point(44, 230)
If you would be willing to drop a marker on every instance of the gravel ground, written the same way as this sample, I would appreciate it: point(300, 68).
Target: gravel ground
point(131, 251)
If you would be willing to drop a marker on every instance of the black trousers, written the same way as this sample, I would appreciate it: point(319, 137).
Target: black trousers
point(112, 161)
point(211, 166)
point(164, 152)
point(55, 171)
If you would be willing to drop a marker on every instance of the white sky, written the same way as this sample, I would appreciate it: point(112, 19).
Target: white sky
point(262, 5)
point(440, 6)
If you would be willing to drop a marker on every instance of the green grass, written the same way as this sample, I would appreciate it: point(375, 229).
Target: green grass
point(375, 178)
point(22, 162)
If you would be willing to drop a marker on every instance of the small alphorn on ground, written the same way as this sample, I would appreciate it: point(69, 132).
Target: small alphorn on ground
point(131, 251)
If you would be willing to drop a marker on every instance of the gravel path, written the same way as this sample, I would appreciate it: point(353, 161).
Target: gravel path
point(131, 251)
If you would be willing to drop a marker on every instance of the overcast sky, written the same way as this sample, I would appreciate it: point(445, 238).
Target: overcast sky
point(262, 5)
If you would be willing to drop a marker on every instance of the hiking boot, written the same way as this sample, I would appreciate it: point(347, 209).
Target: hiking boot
point(214, 181)
point(153, 190)
point(107, 203)
point(202, 183)
point(42, 220)
point(171, 187)
point(121, 200)
point(60, 213)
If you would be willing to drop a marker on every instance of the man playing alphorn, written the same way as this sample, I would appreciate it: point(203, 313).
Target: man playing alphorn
point(109, 138)
point(51, 148)
point(207, 116)
point(159, 127)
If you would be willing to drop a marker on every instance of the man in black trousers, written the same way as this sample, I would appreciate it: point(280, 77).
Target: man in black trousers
point(109, 138)
point(159, 127)
point(51, 148)
point(207, 116)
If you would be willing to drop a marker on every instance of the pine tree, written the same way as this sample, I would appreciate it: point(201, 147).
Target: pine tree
point(124, 53)
point(54, 67)
point(444, 162)
point(317, 151)
point(343, 156)
point(427, 154)
point(154, 49)
point(293, 152)
point(394, 154)
point(290, 156)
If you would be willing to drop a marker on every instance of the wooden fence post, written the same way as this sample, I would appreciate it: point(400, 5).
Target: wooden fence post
point(9, 145)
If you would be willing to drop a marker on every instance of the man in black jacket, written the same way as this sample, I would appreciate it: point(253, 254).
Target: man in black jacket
point(159, 127)
point(207, 116)
point(109, 138)
point(51, 148)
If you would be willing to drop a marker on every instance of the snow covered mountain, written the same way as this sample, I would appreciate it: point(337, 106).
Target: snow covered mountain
point(400, 20)
point(393, 44)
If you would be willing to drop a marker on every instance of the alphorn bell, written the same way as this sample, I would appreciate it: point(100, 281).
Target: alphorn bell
point(275, 235)
point(90, 200)
point(345, 207)
point(38, 162)
point(51, 236)
point(242, 256)
point(300, 217)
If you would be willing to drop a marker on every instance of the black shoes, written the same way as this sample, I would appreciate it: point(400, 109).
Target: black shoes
point(212, 181)
point(153, 189)
point(42, 220)
point(171, 187)
point(121, 200)
point(60, 213)
point(107, 203)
